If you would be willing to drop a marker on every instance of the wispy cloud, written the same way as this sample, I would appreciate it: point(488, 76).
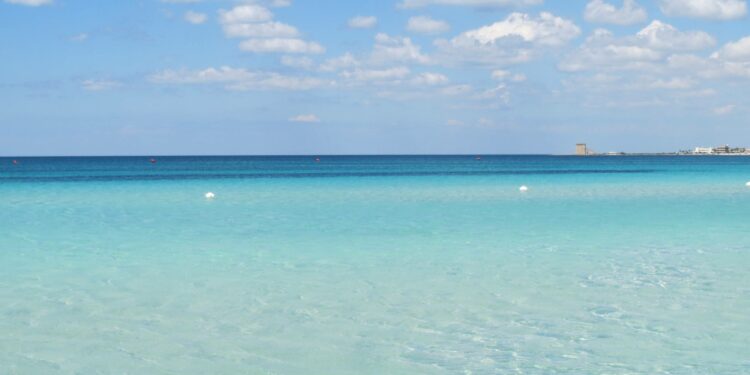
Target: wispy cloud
point(195, 18)
point(426, 25)
point(281, 45)
point(260, 30)
point(79, 37)
point(100, 84)
point(379, 75)
point(725, 110)
point(309, 118)
point(237, 79)
point(362, 22)
point(390, 49)
point(30, 3)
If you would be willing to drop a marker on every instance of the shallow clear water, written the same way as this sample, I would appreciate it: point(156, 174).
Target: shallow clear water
point(375, 265)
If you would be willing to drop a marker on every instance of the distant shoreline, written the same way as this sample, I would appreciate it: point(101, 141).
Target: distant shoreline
point(662, 154)
point(473, 155)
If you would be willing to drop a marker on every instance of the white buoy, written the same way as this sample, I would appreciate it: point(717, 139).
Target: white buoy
point(210, 195)
point(523, 189)
point(747, 184)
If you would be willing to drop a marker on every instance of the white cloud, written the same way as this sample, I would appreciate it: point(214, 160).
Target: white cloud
point(547, 29)
point(472, 3)
point(309, 118)
point(456, 90)
point(30, 3)
point(672, 84)
point(735, 51)
point(708, 68)
point(663, 36)
point(260, 30)
point(390, 48)
point(427, 25)
point(390, 74)
point(504, 75)
point(363, 22)
point(265, 35)
point(254, 22)
point(635, 70)
point(599, 11)
point(209, 75)
point(237, 79)
point(500, 74)
point(195, 18)
point(710, 9)
point(516, 39)
point(499, 92)
point(278, 81)
point(100, 84)
point(299, 62)
point(245, 13)
point(725, 110)
point(344, 61)
point(646, 49)
point(429, 79)
point(603, 50)
point(454, 51)
point(281, 45)
point(387, 51)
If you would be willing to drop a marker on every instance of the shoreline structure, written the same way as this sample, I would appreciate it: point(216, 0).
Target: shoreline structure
point(583, 150)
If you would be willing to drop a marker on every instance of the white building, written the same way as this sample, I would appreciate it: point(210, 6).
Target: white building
point(703, 150)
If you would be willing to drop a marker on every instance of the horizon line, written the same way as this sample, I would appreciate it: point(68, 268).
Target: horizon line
point(265, 155)
point(645, 153)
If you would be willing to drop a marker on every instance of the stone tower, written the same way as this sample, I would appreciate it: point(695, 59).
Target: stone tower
point(581, 149)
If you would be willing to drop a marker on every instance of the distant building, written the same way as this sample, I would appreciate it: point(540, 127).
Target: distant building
point(722, 149)
point(730, 150)
point(581, 149)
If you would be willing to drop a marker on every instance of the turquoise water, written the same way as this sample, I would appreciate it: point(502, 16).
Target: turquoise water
point(375, 265)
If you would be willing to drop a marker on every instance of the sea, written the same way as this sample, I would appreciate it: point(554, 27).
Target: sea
point(375, 265)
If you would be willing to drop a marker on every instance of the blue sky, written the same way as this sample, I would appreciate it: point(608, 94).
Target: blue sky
point(371, 77)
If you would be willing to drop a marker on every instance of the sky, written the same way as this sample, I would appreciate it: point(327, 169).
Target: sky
point(267, 77)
